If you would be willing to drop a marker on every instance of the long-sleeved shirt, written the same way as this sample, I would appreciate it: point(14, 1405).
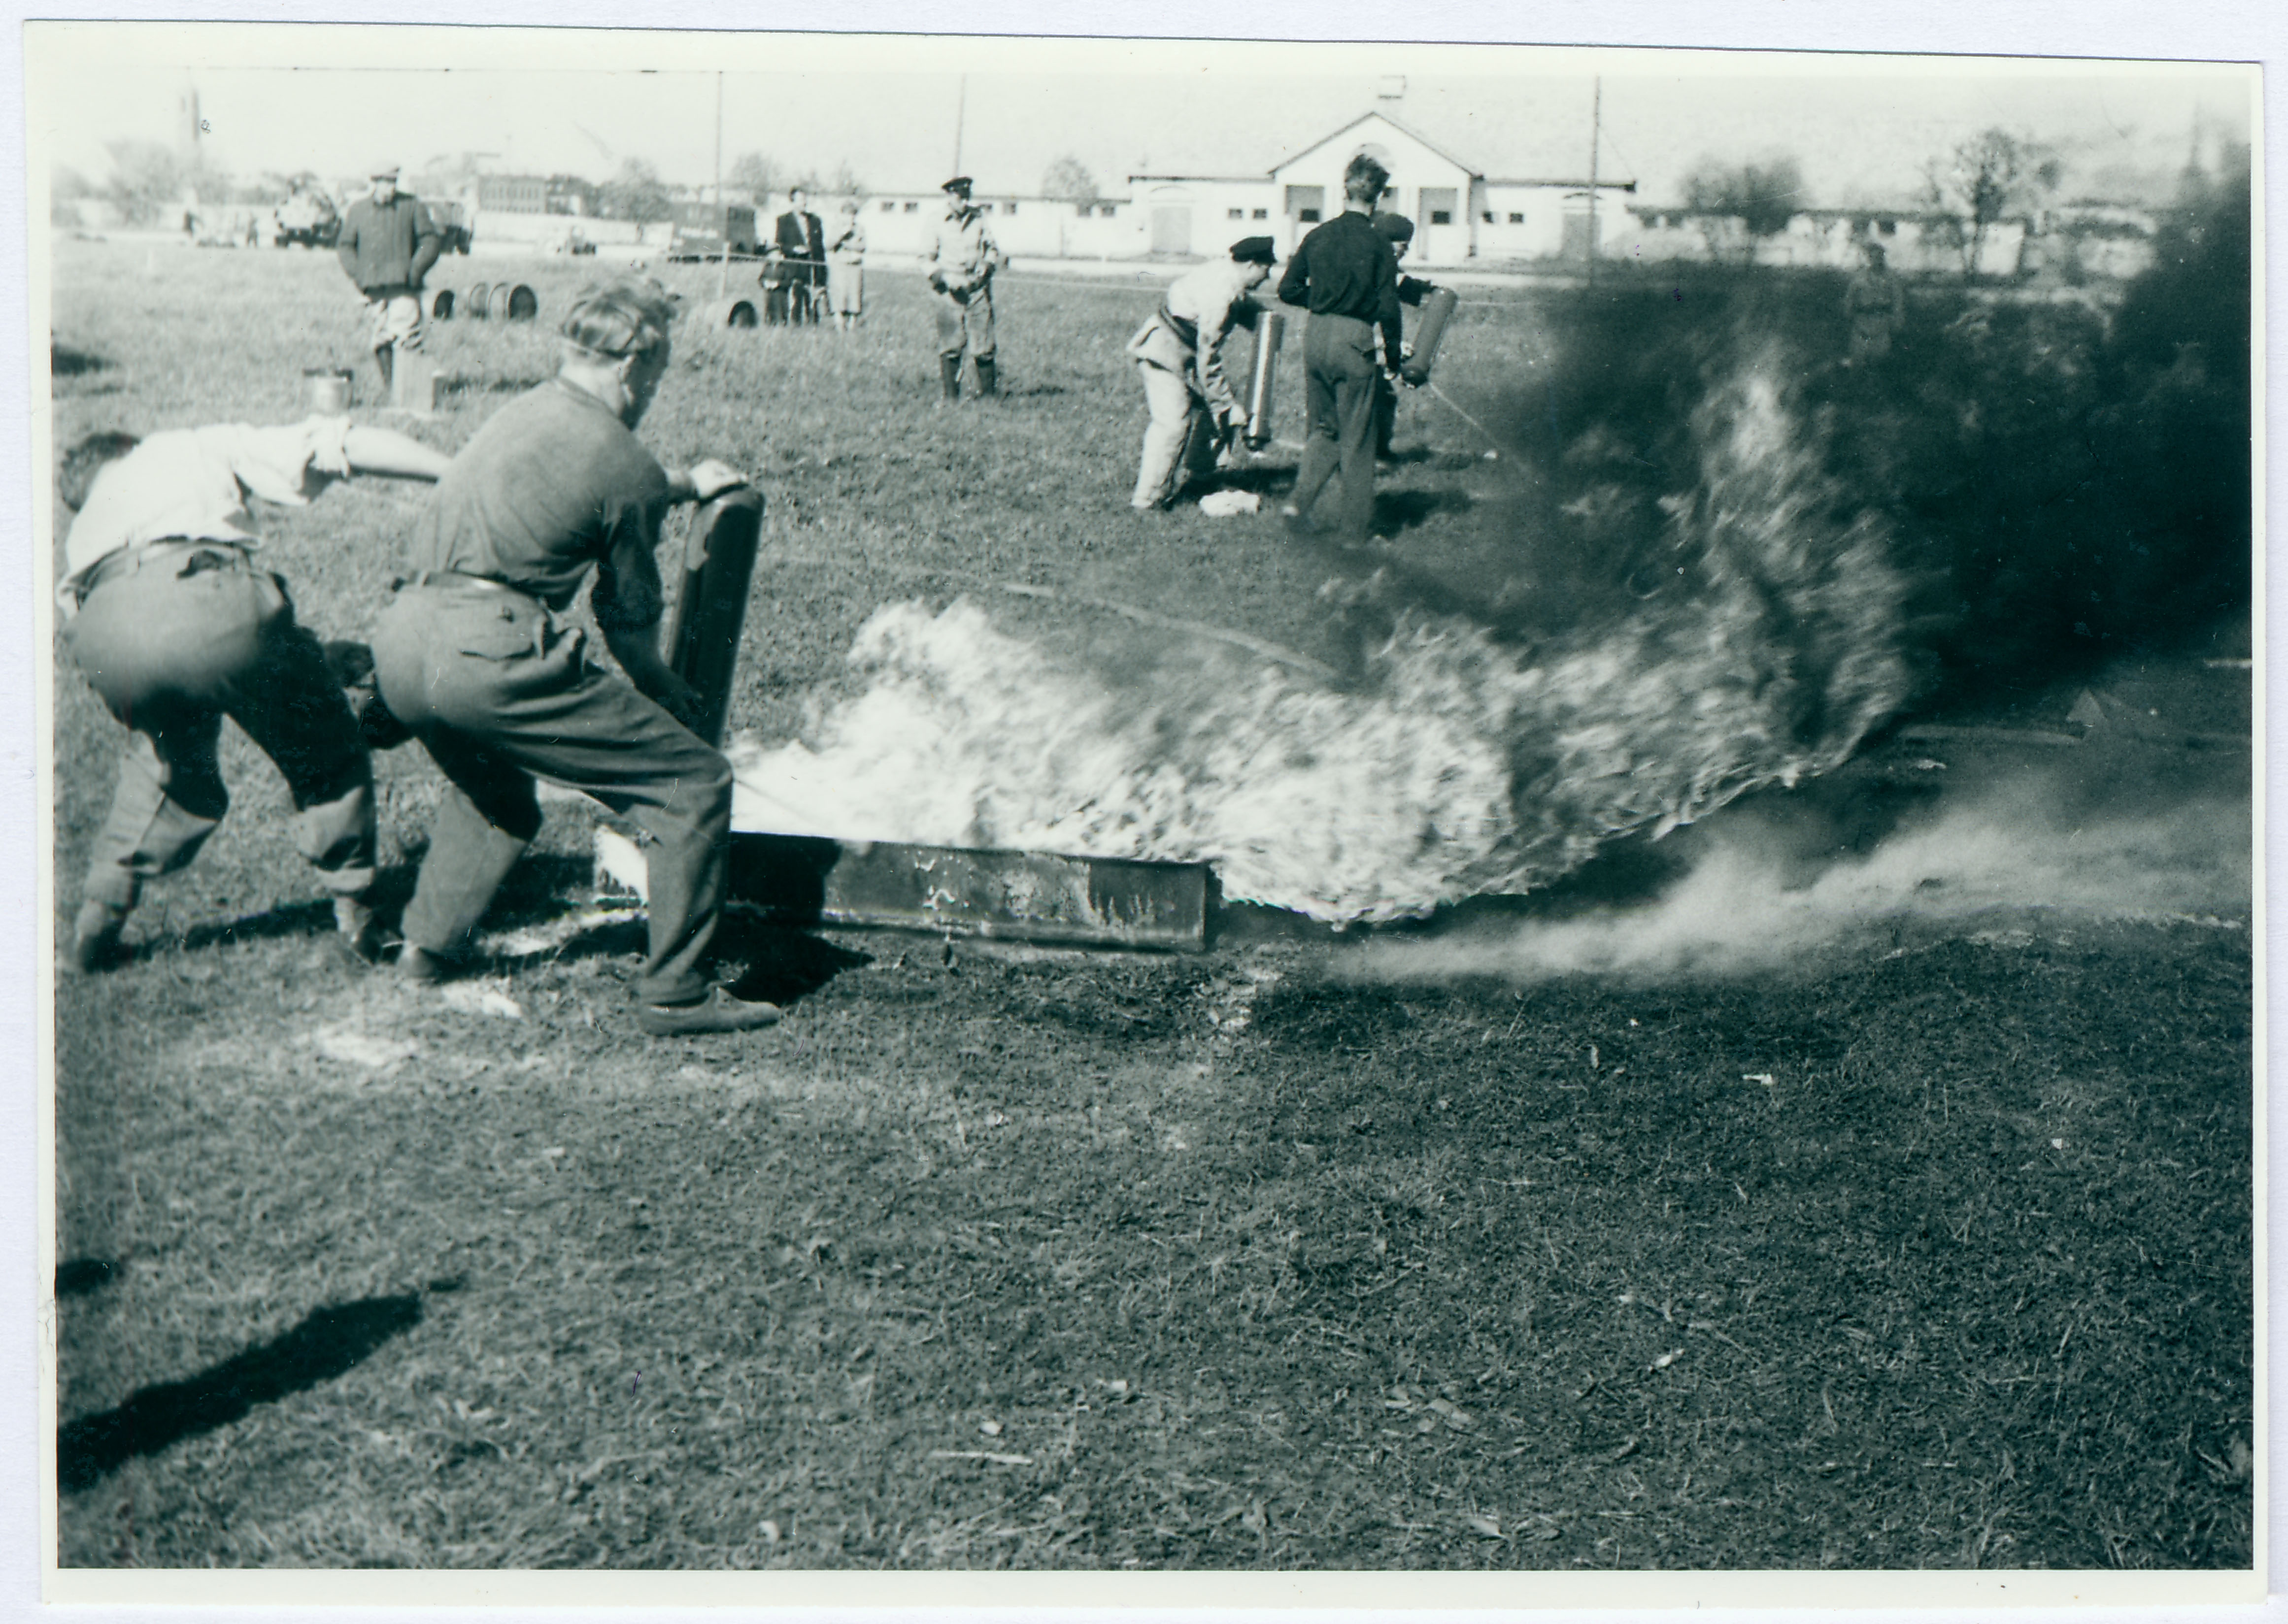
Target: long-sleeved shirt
point(963, 254)
point(194, 483)
point(554, 485)
point(388, 247)
point(1344, 268)
point(1185, 335)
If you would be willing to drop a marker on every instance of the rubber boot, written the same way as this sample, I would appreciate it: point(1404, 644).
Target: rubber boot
point(949, 375)
point(985, 382)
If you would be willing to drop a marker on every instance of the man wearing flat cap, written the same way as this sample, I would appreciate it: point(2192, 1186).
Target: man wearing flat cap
point(962, 260)
point(388, 242)
point(1179, 355)
point(475, 658)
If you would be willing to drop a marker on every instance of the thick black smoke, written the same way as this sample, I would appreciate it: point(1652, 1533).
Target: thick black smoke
point(2063, 473)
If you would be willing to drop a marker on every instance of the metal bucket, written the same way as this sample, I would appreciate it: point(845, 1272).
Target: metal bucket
point(327, 389)
point(477, 307)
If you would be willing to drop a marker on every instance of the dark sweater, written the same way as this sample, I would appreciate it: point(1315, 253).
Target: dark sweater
point(388, 247)
point(1344, 268)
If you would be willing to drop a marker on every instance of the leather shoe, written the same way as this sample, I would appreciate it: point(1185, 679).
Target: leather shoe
point(422, 967)
point(95, 935)
point(718, 1012)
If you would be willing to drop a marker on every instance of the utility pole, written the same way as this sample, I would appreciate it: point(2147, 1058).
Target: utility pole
point(722, 214)
point(1596, 114)
point(960, 110)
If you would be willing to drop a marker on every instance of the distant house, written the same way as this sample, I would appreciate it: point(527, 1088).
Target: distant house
point(1914, 240)
point(1460, 215)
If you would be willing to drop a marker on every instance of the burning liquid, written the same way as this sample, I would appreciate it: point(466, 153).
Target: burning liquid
point(1460, 766)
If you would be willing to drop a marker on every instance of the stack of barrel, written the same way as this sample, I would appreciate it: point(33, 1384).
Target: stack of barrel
point(496, 301)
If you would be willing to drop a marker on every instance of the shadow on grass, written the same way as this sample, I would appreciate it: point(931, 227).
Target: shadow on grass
point(75, 1277)
point(65, 361)
point(331, 1342)
point(455, 387)
point(1396, 511)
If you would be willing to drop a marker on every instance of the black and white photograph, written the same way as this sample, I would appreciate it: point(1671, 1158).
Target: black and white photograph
point(1206, 815)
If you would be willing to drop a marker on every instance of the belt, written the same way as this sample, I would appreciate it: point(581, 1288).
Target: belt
point(457, 578)
point(202, 554)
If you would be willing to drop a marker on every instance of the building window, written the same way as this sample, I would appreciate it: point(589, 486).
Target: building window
point(1309, 216)
point(1489, 217)
point(1084, 209)
point(1010, 207)
point(1889, 229)
point(1516, 218)
point(1104, 211)
point(1441, 216)
point(911, 207)
point(1235, 214)
point(1262, 214)
point(1304, 202)
point(888, 207)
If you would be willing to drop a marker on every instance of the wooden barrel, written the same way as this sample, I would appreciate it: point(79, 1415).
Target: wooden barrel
point(733, 311)
point(517, 304)
point(478, 310)
point(440, 306)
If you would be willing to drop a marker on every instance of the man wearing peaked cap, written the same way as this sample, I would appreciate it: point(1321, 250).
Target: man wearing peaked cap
point(475, 658)
point(1179, 355)
point(963, 258)
point(1398, 231)
point(387, 242)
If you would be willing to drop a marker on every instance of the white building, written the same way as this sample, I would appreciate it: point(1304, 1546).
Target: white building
point(1460, 215)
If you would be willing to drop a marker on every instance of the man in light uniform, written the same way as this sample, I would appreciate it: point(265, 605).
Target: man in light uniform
point(388, 242)
point(1877, 305)
point(475, 658)
point(1179, 355)
point(962, 260)
point(177, 627)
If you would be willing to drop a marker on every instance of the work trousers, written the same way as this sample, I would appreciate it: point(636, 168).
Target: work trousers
point(964, 320)
point(1180, 442)
point(1338, 374)
point(173, 638)
point(394, 318)
point(498, 690)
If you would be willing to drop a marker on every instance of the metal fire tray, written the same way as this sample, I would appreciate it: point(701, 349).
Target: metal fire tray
point(1024, 896)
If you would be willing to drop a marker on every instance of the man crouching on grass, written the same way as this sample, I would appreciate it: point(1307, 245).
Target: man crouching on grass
point(177, 627)
point(474, 659)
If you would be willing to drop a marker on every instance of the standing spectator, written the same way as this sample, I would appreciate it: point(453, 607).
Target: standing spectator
point(475, 659)
point(962, 260)
point(801, 242)
point(846, 267)
point(1877, 305)
point(1179, 355)
point(388, 242)
point(1344, 275)
point(176, 627)
point(1398, 231)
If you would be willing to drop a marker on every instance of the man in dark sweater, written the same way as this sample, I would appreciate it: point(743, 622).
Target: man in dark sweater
point(476, 656)
point(388, 242)
point(1344, 275)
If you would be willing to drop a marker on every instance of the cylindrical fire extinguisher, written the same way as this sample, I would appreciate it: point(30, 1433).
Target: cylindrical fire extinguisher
point(1270, 327)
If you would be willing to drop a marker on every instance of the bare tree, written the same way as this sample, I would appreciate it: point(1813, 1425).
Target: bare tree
point(1982, 181)
point(150, 181)
point(637, 193)
point(1069, 180)
point(752, 172)
point(1739, 205)
point(846, 182)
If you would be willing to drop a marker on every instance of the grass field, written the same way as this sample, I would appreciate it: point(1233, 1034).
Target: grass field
point(1929, 1245)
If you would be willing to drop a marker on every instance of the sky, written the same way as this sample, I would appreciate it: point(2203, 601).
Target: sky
point(901, 113)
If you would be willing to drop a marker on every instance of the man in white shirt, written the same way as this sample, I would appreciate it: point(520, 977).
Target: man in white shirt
point(1178, 353)
point(176, 627)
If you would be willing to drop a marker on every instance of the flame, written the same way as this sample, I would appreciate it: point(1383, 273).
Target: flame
point(1461, 764)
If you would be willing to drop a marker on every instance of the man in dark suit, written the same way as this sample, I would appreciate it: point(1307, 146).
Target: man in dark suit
point(801, 242)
